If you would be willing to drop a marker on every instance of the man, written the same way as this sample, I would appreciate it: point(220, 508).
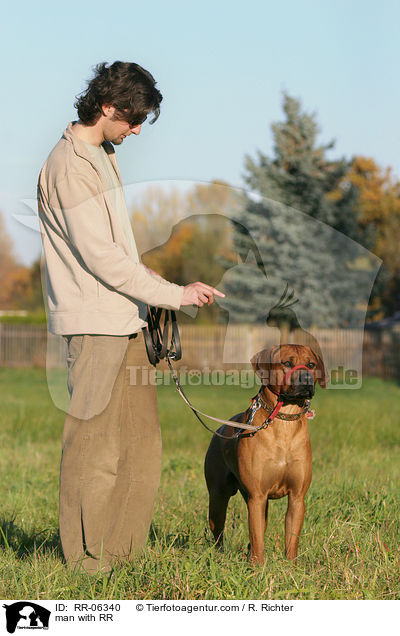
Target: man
point(97, 288)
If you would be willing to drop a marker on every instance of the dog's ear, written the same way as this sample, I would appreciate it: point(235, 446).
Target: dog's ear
point(262, 363)
point(322, 376)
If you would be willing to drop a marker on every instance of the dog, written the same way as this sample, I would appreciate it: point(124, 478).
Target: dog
point(275, 461)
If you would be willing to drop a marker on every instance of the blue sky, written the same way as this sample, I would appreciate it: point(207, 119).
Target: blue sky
point(221, 66)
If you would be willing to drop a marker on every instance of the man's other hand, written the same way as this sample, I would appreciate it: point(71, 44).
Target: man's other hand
point(199, 294)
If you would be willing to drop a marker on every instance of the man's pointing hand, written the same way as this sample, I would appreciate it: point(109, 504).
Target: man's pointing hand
point(199, 294)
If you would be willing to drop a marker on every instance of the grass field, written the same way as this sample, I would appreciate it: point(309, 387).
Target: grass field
point(349, 548)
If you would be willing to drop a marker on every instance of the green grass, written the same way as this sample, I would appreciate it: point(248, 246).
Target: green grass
point(349, 548)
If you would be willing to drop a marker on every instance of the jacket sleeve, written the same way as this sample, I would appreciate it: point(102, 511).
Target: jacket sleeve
point(79, 208)
point(157, 276)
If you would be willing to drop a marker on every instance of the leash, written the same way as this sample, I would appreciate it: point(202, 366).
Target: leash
point(156, 342)
point(247, 426)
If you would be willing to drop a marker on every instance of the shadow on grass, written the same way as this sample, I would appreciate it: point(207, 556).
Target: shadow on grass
point(23, 543)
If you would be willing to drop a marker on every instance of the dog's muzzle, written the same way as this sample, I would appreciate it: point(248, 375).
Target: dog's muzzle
point(301, 384)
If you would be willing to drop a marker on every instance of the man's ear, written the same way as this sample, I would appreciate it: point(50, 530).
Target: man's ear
point(108, 110)
point(322, 376)
point(262, 363)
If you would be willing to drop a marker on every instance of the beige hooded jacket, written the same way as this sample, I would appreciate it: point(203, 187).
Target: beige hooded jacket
point(94, 285)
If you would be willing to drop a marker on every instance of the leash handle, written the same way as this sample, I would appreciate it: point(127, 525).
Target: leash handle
point(157, 341)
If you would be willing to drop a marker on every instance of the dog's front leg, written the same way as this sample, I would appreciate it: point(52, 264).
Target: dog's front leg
point(256, 508)
point(293, 524)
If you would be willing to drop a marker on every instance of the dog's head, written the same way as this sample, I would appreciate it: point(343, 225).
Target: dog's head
point(272, 365)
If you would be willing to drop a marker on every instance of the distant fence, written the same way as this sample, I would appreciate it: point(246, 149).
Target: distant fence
point(206, 346)
point(22, 345)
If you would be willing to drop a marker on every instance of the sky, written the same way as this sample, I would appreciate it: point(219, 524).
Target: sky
point(222, 68)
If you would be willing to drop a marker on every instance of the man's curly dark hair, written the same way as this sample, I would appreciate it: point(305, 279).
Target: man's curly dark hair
point(126, 86)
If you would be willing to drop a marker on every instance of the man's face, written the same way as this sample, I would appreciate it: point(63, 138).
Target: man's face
point(115, 130)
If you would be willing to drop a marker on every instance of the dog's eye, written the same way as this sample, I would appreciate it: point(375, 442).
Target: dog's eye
point(311, 365)
point(287, 364)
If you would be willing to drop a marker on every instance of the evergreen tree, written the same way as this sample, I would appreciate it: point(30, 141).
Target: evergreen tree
point(301, 176)
point(300, 214)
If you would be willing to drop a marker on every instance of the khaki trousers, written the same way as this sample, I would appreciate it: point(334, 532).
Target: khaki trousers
point(111, 451)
